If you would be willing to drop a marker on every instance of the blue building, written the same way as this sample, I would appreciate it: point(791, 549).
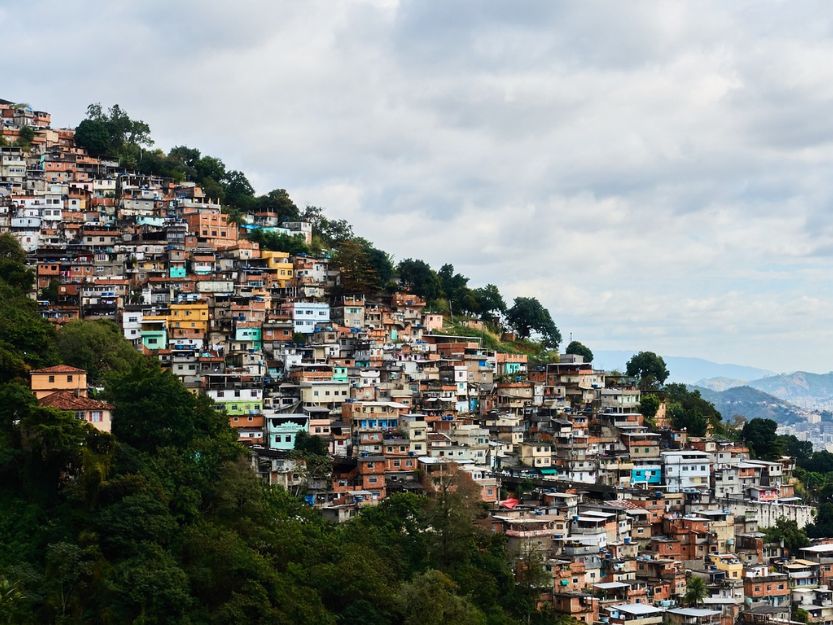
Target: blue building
point(282, 430)
point(647, 474)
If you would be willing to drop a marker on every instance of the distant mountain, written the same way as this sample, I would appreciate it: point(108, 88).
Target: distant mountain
point(813, 390)
point(720, 384)
point(684, 369)
point(751, 403)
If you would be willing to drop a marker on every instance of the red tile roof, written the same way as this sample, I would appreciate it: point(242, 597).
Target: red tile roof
point(59, 369)
point(67, 400)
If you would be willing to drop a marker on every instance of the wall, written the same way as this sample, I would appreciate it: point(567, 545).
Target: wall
point(769, 513)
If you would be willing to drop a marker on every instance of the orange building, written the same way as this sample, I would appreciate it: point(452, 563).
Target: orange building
point(213, 228)
point(59, 378)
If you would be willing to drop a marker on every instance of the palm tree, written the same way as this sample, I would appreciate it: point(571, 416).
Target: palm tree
point(695, 591)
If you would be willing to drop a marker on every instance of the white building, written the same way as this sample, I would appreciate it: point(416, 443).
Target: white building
point(686, 470)
point(306, 314)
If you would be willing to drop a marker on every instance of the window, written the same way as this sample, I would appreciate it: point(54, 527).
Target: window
point(51, 378)
point(69, 378)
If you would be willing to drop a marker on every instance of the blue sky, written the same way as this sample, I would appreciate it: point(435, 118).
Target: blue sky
point(658, 174)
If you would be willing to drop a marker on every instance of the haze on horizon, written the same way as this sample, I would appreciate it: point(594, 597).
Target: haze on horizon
point(657, 174)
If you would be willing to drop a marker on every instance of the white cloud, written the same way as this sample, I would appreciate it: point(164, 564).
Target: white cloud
point(657, 173)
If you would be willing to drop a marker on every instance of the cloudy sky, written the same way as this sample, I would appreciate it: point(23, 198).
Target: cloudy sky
point(659, 174)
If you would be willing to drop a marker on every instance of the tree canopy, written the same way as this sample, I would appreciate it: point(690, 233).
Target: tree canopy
point(649, 368)
point(786, 531)
point(687, 409)
point(113, 134)
point(26, 339)
point(760, 436)
point(580, 349)
point(527, 315)
point(96, 346)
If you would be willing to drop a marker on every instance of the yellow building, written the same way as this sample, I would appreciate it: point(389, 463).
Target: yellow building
point(729, 563)
point(279, 264)
point(191, 316)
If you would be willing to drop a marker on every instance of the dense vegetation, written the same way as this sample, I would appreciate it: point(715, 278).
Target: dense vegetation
point(164, 522)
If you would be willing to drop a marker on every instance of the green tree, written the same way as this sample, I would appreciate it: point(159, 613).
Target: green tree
point(309, 444)
point(13, 269)
point(455, 288)
point(802, 451)
point(490, 304)
point(330, 231)
point(760, 435)
point(695, 591)
point(787, 532)
point(648, 405)
point(68, 569)
point(152, 409)
point(96, 346)
point(113, 134)
point(451, 510)
point(49, 293)
point(278, 200)
point(822, 526)
point(431, 599)
point(417, 277)
point(26, 339)
point(580, 349)
point(687, 409)
point(238, 190)
point(527, 315)
point(649, 368)
point(25, 137)
point(356, 274)
point(279, 242)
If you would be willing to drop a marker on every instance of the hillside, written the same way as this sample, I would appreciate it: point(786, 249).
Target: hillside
point(813, 390)
point(751, 403)
point(720, 383)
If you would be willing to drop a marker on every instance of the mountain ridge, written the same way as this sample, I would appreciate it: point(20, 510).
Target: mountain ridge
point(684, 369)
point(800, 387)
point(752, 403)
